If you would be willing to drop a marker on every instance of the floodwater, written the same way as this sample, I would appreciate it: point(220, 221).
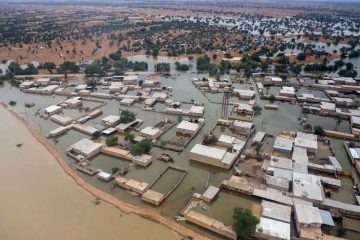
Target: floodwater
point(199, 175)
point(39, 201)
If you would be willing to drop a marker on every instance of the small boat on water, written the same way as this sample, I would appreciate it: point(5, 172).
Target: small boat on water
point(165, 157)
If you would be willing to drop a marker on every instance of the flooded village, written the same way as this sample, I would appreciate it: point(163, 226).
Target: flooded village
point(193, 138)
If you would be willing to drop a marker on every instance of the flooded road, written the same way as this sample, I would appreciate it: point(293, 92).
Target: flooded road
point(39, 201)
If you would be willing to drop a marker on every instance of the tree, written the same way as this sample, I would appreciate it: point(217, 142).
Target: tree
point(141, 148)
point(115, 55)
point(244, 223)
point(129, 137)
point(308, 127)
point(162, 67)
point(272, 98)
point(319, 130)
point(69, 67)
point(111, 140)
point(126, 116)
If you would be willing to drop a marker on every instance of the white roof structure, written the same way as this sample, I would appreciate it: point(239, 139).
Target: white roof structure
point(276, 79)
point(52, 109)
point(307, 95)
point(327, 106)
point(306, 140)
point(104, 175)
point(80, 87)
point(283, 173)
point(210, 192)
point(197, 110)
point(242, 124)
point(43, 80)
point(131, 78)
point(226, 139)
point(259, 136)
point(160, 95)
point(73, 101)
point(283, 143)
point(86, 146)
point(207, 151)
point(150, 131)
point(306, 214)
point(344, 79)
point(111, 119)
point(187, 126)
point(299, 155)
point(243, 107)
point(127, 101)
point(280, 162)
point(307, 186)
point(355, 120)
point(273, 229)
point(245, 93)
point(276, 211)
point(287, 90)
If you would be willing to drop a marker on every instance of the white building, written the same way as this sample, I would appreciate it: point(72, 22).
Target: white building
point(86, 148)
point(127, 101)
point(307, 141)
point(212, 156)
point(110, 120)
point(242, 127)
point(151, 133)
point(53, 109)
point(186, 127)
point(73, 102)
point(196, 111)
point(283, 144)
point(272, 229)
point(287, 91)
point(307, 187)
point(244, 94)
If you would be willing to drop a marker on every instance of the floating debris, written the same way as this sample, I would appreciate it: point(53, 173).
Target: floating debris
point(19, 144)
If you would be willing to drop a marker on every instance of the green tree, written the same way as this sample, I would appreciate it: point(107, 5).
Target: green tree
point(319, 130)
point(127, 116)
point(141, 148)
point(129, 137)
point(244, 223)
point(69, 67)
point(111, 140)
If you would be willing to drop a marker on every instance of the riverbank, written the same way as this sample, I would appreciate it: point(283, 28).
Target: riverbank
point(151, 214)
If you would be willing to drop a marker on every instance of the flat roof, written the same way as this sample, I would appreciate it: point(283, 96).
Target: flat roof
point(307, 186)
point(151, 131)
point(86, 146)
point(283, 143)
point(111, 119)
point(242, 124)
point(226, 139)
point(299, 155)
point(211, 192)
point(276, 211)
point(52, 108)
point(186, 125)
point(273, 228)
point(281, 162)
point(207, 151)
point(196, 109)
point(259, 136)
point(306, 214)
point(242, 92)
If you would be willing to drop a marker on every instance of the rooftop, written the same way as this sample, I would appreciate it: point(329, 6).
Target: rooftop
point(273, 228)
point(307, 186)
point(208, 151)
point(276, 211)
